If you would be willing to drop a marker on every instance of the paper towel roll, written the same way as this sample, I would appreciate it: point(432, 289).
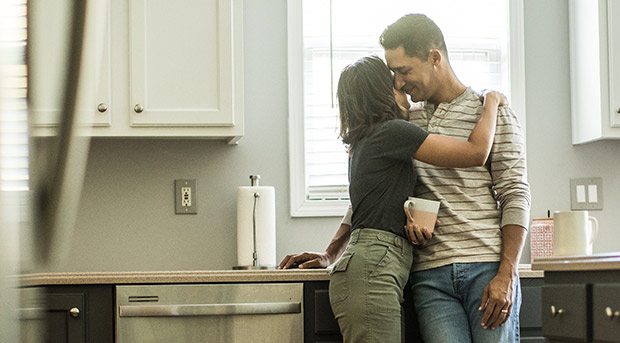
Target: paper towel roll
point(265, 225)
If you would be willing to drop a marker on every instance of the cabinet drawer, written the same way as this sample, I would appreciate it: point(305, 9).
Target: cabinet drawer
point(564, 311)
point(606, 313)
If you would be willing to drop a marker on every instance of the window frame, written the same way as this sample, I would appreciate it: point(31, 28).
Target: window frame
point(300, 206)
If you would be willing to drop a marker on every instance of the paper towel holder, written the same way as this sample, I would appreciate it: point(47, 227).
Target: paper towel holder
point(254, 180)
point(254, 183)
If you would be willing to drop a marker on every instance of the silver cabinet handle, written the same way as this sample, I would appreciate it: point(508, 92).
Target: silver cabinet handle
point(618, 110)
point(74, 312)
point(102, 107)
point(209, 309)
point(556, 312)
point(611, 314)
point(138, 108)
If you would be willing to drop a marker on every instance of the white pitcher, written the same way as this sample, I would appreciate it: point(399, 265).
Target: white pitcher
point(573, 233)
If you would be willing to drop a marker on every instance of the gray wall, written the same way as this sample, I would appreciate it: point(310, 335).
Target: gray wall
point(126, 220)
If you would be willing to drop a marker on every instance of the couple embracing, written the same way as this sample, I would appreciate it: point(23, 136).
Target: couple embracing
point(462, 149)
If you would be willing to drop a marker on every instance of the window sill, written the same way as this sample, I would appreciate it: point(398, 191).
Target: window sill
point(320, 208)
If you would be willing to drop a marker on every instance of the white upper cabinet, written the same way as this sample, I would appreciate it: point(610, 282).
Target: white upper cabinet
point(595, 69)
point(182, 66)
point(157, 68)
point(48, 43)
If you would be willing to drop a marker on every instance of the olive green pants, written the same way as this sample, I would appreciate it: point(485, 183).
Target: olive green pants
point(366, 286)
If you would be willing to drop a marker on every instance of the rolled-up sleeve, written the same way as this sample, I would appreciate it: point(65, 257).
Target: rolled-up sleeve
point(347, 217)
point(509, 171)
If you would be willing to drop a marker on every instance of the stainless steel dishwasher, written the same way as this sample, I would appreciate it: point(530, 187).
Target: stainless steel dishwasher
point(210, 313)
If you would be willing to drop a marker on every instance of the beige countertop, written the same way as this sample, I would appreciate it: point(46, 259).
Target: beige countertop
point(606, 261)
point(194, 276)
point(188, 276)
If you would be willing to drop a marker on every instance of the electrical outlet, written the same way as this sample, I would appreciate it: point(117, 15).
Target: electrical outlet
point(185, 196)
point(586, 193)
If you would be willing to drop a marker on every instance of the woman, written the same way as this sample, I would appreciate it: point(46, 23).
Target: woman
point(367, 282)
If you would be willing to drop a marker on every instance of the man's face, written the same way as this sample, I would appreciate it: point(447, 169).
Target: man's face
point(411, 74)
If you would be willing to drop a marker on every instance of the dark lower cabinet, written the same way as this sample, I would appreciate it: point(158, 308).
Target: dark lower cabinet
point(321, 326)
point(565, 317)
point(79, 314)
point(65, 318)
point(530, 318)
point(319, 322)
point(606, 312)
point(581, 306)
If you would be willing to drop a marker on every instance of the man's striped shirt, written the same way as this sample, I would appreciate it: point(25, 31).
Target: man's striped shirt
point(475, 202)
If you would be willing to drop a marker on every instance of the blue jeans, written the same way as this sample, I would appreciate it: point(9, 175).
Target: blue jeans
point(446, 301)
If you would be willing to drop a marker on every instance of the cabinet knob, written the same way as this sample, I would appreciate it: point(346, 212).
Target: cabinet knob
point(74, 312)
point(611, 314)
point(138, 108)
point(102, 107)
point(556, 312)
point(618, 110)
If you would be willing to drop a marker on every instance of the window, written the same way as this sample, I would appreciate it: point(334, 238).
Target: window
point(13, 113)
point(485, 46)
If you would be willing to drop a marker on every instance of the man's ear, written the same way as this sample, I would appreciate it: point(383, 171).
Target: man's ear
point(435, 56)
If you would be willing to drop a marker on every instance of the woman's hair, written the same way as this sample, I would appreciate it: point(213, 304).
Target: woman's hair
point(416, 33)
point(366, 98)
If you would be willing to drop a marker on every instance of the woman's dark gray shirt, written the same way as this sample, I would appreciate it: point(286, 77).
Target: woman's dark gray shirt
point(382, 176)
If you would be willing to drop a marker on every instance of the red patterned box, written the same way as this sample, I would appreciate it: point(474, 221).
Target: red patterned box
point(541, 237)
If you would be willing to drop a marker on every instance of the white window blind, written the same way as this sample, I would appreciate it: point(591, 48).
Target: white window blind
point(326, 35)
point(13, 89)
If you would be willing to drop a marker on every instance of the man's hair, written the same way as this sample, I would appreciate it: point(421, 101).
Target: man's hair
point(417, 33)
point(365, 98)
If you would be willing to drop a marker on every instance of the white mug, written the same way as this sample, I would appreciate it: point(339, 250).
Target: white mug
point(573, 233)
point(424, 211)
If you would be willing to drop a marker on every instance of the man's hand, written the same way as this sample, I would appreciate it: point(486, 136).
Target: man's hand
point(498, 296)
point(497, 300)
point(305, 260)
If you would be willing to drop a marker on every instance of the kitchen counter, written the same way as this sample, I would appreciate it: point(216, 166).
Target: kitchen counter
point(195, 276)
point(188, 276)
point(607, 261)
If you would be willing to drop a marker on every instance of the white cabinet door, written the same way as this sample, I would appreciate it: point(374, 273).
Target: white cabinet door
point(595, 69)
point(179, 62)
point(98, 73)
point(49, 37)
point(613, 20)
point(184, 63)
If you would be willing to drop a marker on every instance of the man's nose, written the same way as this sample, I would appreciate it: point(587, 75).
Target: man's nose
point(399, 81)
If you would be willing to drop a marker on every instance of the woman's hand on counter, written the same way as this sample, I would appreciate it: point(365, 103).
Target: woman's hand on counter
point(305, 260)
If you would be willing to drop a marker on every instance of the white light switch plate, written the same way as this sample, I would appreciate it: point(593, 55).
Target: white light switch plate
point(586, 193)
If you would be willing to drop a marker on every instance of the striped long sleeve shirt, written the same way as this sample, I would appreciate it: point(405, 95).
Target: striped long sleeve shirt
point(476, 202)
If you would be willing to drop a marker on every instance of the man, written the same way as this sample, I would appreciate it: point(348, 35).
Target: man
point(464, 280)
